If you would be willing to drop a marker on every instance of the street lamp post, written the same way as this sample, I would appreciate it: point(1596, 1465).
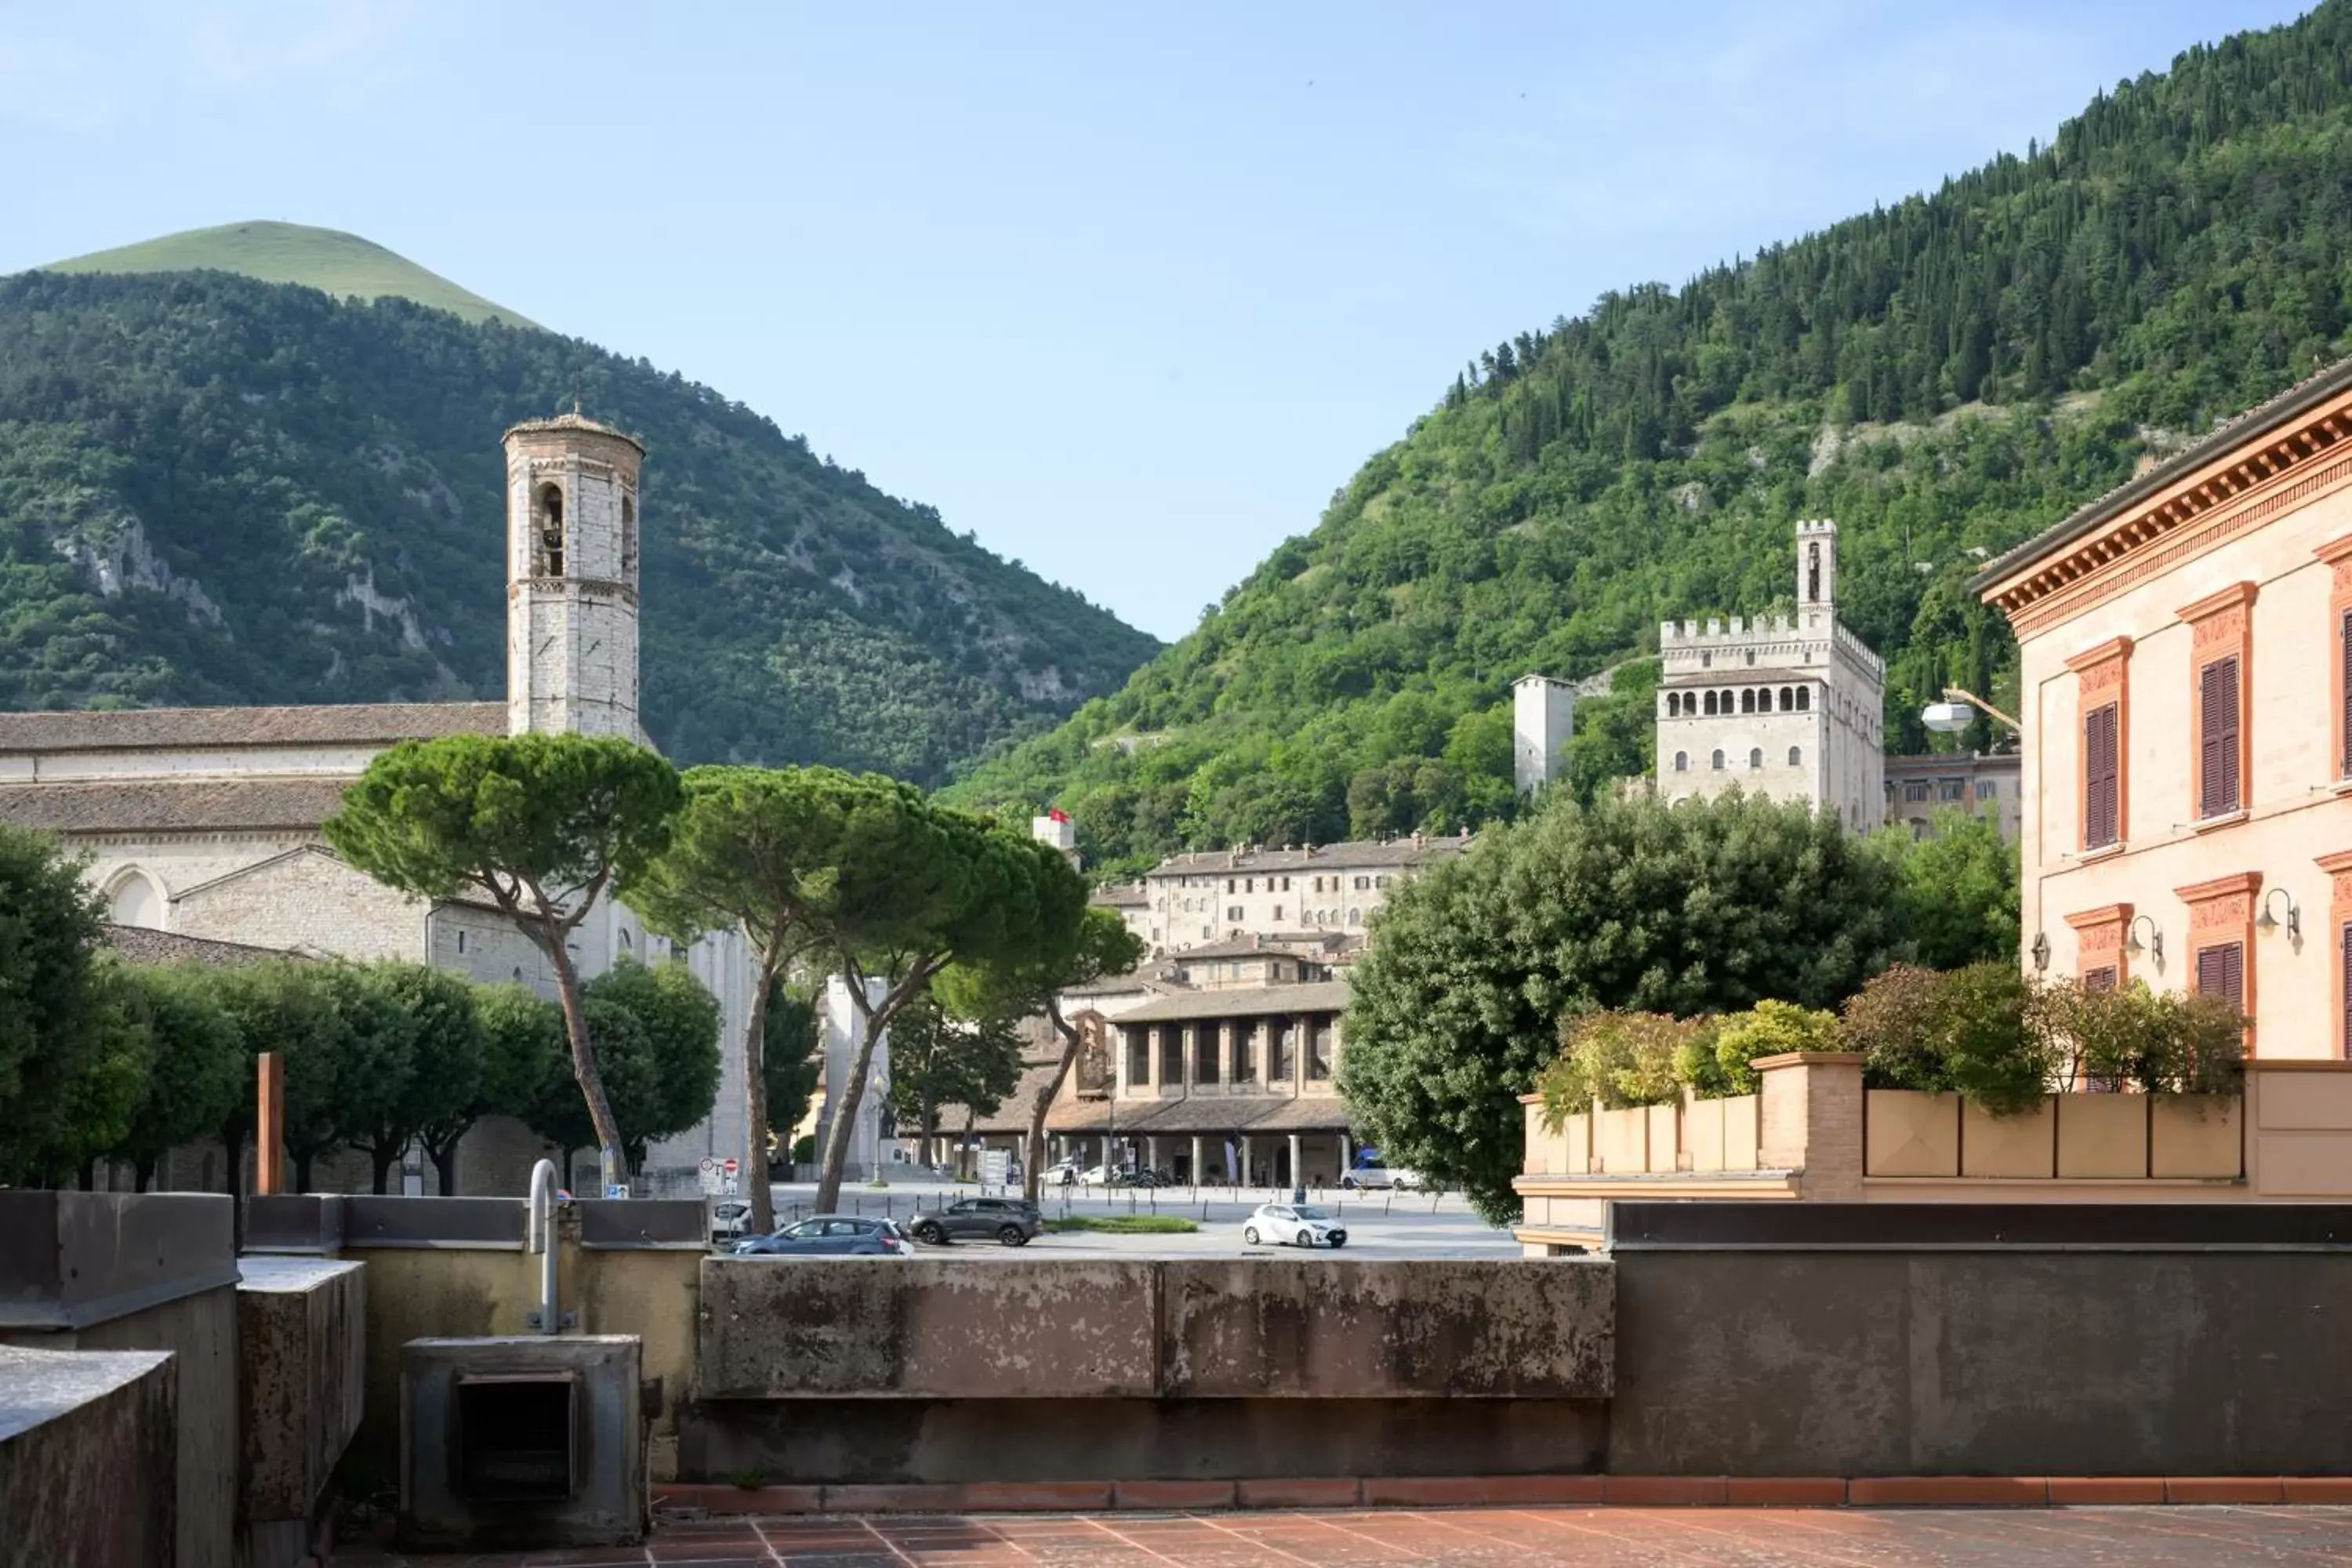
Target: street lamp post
point(1951, 716)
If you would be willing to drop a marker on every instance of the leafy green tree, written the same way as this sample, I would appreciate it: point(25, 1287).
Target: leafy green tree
point(545, 827)
point(526, 1074)
point(1024, 984)
point(1957, 890)
point(1615, 737)
point(662, 1027)
point(939, 1058)
point(427, 1017)
point(293, 1008)
point(106, 1076)
point(1703, 906)
point(755, 852)
point(198, 1070)
point(790, 1058)
point(50, 1022)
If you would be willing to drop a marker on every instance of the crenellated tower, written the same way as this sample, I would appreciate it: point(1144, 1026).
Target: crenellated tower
point(572, 578)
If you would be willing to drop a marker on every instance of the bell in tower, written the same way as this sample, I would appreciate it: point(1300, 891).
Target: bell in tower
point(572, 578)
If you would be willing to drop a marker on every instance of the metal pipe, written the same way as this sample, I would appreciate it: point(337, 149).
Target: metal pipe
point(539, 1237)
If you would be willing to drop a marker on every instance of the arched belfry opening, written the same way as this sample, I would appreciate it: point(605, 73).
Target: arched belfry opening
point(628, 533)
point(547, 518)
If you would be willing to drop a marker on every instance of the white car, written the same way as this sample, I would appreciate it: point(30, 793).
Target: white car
point(1382, 1179)
point(1293, 1225)
point(728, 1219)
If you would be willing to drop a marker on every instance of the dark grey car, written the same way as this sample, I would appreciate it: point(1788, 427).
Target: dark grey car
point(829, 1235)
point(1011, 1221)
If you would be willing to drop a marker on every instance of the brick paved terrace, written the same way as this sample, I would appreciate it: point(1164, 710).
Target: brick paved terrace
point(2144, 1537)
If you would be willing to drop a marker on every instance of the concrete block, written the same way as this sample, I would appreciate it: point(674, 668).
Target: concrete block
point(926, 1326)
point(88, 1458)
point(1327, 1328)
point(302, 1352)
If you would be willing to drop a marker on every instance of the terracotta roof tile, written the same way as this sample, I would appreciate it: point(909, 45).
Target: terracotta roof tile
point(149, 728)
point(190, 806)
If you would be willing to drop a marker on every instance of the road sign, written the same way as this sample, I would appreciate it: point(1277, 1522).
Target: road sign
point(996, 1165)
point(708, 1170)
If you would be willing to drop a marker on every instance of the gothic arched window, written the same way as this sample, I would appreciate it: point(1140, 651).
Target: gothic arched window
point(1682, 761)
point(1748, 700)
point(134, 902)
point(628, 534)
point(1674, 704)
point(547, 517)
point(1718, 762)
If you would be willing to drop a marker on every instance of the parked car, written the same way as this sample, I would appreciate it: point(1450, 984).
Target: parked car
point(1062, 1175)
point(830, 1235)
point(1011, 1222)
point(1378, 1178)
point(1289, 1224)
point(730, 1218)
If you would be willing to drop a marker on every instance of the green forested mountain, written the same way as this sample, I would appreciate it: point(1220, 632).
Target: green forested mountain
point(340, 264)
point(216, 490)
point(1943, 377)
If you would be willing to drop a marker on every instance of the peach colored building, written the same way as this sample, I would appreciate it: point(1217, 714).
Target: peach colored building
point(2184, 644)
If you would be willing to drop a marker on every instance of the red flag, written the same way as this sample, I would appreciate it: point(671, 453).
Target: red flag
point(1056, 814)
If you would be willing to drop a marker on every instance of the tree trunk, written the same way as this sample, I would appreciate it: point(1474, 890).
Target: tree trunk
point(1033, 1169)
point(875, 1020)
point(144, 1173)
point(445, 1163)
point(583, 1052)
point(931, 1134)
point(963, 1154)
point(755, 1106)
point(383, 1164)
point(302, 1159)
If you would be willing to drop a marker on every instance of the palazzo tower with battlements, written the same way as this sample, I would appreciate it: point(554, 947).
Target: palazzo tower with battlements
point(1791, 708)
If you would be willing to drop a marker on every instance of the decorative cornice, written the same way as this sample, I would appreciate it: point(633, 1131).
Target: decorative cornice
point(2114, 648)
point(2107, 915)
point(2237, 596)
point(2238, 884)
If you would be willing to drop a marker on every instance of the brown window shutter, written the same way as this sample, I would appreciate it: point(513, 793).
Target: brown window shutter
point(2218, 738)
point(2208, 971)
point(2103, 977)
point(2221, 972)
point(2100, 777)
point(2344, 634)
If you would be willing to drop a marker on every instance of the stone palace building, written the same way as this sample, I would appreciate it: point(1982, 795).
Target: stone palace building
point(204, 821)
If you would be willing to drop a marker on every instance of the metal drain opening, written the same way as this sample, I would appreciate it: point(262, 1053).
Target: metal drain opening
point(515, 1438)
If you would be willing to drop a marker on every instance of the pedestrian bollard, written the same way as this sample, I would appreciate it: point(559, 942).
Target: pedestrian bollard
point(1389, 1206)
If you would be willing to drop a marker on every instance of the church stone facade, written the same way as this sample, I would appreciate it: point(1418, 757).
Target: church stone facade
point(205, 823)
point(1791, 709)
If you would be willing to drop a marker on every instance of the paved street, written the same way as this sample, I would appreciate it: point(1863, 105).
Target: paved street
point(1492, 1538)
point(1380, 1225)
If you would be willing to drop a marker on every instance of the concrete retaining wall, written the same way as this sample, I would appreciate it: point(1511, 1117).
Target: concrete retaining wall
point(301, 1347)
point(1148, 1328)
point(1948, 1356)
point(88, 1459)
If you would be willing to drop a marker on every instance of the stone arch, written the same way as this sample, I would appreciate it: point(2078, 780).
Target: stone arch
point(1755, 757)
point(628, 533)
point(547, 530)
point(132, 899)
point(1796, 756)
point(1682, 761)
point(1718, 760)
point(1764, 700)
point(1804, 698)
point(1748, 700)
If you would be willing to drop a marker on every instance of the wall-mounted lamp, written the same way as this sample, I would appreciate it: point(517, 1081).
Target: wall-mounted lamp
point(2293, 915)
point(2155, 948)
point(2040, 951)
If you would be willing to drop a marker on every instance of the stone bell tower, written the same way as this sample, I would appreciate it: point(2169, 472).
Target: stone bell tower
point(572, 578)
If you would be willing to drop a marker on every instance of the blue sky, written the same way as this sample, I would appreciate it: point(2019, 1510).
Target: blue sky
point(1128, 290)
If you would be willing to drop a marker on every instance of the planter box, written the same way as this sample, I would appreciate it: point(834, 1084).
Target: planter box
point(1665, 1135)
point(2023, 1145)
point(1911, 1134)
point(2102, 1135)
point(1620, 1141)
point(2196, 1135)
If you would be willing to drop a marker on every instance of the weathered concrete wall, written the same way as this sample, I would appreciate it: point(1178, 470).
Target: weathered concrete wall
point(1030, 1329)
point(88, 1458)
point(1914, 1363)
point(110, 1271)
point(876, 1441)
point(302, 1352)
point(1323, 1328)
point(419, 1290)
